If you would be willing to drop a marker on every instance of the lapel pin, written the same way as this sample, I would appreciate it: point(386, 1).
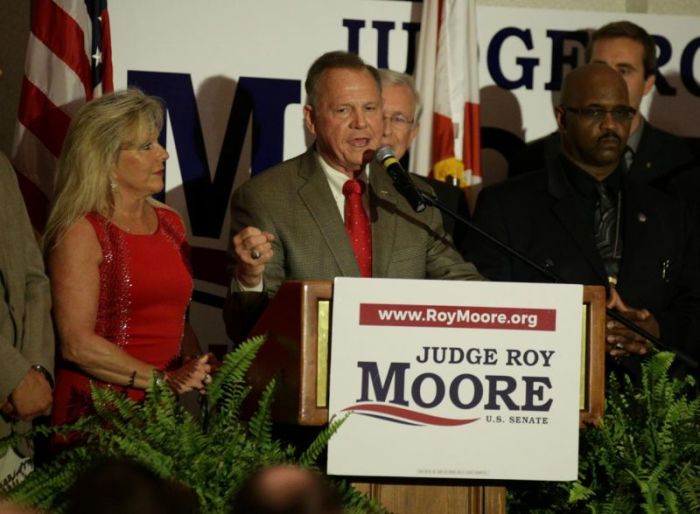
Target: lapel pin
point(641, 217)
point(665, 266)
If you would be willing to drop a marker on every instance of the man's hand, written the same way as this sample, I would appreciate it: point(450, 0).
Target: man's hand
point(32, 397)
point(620, 341)
point(253, 248)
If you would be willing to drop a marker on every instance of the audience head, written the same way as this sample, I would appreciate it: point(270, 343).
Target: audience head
point(401, 110)
point(343, 110)
point(594, 118)
point(285, 490)
point(85, 172)
point(630, 50)
point(10, 508)
point(127, 487)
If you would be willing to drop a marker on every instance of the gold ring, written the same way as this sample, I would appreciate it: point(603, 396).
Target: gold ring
point(254, 254)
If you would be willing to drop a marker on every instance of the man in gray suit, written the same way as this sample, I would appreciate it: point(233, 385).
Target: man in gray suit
point(289, 221)
point(26, 332)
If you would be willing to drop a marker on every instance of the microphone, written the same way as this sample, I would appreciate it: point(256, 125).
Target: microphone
point(402, 180)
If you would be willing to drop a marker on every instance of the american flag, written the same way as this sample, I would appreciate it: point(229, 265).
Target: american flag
point(447, 78)
point(68, 62)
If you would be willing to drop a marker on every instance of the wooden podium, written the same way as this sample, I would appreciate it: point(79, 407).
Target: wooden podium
point(297, 322)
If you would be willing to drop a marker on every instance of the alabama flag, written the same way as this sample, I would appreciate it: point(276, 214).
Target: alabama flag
point(68, 63)
point(447, 79)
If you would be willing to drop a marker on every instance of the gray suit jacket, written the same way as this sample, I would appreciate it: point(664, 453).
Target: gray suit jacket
point(294, 202)
point(26, 331)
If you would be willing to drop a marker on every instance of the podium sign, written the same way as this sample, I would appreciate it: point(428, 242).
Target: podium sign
point(450, 379)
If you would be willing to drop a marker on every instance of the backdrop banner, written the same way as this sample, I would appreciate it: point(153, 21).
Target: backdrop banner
point(231, 74)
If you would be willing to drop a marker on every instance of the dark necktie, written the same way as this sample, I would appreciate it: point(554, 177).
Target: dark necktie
point(358, 226)
point(607, 231)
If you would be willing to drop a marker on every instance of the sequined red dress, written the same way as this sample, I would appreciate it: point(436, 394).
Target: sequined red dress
point(145, 288)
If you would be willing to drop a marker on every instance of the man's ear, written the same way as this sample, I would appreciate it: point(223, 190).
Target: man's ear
point(310, 119)
point(649, 83)
point(560, 116)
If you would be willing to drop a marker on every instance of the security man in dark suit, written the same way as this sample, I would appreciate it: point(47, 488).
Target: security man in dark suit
point(586, 220)
point(653, 155)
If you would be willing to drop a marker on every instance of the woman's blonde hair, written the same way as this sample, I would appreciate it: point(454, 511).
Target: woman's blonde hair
point(90, 152)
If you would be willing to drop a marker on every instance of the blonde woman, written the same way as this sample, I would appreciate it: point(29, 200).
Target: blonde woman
point(118, 260)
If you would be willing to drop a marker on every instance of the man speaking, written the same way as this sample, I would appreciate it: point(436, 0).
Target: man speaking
point(332, 211)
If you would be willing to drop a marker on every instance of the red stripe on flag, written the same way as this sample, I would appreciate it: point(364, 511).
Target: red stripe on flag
point(106, 47)
point(443, 138)
point(68, 43)
point(471, 144)
point(44, 119)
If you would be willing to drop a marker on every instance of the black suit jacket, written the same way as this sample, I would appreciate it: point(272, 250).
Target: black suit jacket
point(660, 160)
point(454, 199)
point(539, 215)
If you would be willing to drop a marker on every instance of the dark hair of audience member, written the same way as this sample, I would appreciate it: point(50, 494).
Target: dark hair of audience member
point(629, 30)
point(286, 490)
point(122, 486)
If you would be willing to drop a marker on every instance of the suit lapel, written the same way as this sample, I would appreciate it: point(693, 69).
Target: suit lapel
point(565, 208)
point(383, 218)
point(316, 196)
point(643, 167)
point(634, 228)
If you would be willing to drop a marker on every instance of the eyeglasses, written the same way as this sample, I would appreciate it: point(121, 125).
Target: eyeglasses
point(398, 120)
point(598, 114)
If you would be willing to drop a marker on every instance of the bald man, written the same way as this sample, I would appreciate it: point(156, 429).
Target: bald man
point(591, 224)
point(655, 157)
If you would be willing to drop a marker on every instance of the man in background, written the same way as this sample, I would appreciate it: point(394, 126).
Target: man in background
point(582, 217)
point(332, 211)
point(26, 332)
point(402, 110)
point(652, 155)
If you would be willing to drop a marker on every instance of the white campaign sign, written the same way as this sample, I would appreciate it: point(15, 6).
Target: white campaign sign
point(451, 379)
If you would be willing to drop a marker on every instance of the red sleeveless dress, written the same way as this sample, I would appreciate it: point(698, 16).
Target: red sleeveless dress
point(145, 288)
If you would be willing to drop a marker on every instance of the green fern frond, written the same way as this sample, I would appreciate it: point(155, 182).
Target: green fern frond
point(234, 367)
point(260, 425)
point(160, 433)
point(312, 453)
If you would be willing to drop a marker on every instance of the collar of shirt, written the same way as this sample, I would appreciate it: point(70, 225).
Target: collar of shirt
point(584, 184)
point(633, 139)
point(336, 179)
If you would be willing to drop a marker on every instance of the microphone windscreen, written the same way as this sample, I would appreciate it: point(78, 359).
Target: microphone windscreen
point(383, 154)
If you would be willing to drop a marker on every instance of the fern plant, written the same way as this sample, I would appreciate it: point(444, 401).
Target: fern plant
point(645, 457)
point(211, 455)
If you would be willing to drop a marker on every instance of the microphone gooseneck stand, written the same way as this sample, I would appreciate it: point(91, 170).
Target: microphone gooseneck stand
point(551, 275)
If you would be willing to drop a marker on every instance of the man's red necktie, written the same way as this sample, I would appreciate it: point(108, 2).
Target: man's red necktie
point(358, 226)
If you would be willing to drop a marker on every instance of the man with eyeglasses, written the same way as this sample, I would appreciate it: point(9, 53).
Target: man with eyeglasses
point(583, 218)
point(332, 211)
point(653, 155)
point(401, 112)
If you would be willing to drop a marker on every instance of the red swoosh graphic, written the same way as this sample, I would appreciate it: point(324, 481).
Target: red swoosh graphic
point(409, 414)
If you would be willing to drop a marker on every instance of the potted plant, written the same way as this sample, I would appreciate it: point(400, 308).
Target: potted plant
point(211, 454)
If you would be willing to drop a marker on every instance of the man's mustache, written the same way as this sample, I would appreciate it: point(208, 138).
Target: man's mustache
point(610, 135)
